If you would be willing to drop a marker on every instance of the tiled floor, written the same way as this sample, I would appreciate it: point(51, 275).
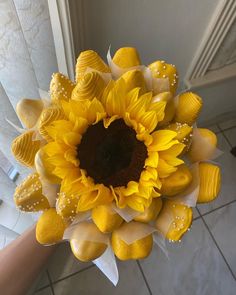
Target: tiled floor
point(204, 263)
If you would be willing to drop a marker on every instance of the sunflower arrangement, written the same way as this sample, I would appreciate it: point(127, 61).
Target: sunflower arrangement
point(116, 157)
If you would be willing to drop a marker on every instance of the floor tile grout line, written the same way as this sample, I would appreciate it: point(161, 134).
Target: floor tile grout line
point(144, 277)
point(226, 129)
point(50, 281)
point(73, 274)
point(42, 288)
point(225, 137)
point(218, 208)
point(218, 247)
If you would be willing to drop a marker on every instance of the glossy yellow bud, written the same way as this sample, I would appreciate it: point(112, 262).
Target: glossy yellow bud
point(126, 57)
point(169, 109)
point(50, 227)
point(48, 116)
point(133, 79)
point(150, 213)
point(136, 250)
point(28, 195)
point(160, 69)
point(91, 85)
point(88, 250)
point(174, 220)
point(177, 182)
point(210, 182)
point(202, 150)
point(24, 148)
point(29, 110)
point(60, 87)
point(89, 59)
point(67, 205)
point(106, 219)
point(188, 108)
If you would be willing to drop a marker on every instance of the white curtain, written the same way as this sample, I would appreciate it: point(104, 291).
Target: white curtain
point(27, 61)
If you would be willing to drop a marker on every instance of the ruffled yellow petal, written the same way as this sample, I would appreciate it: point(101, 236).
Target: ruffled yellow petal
point(152, 159)
point(91, 85)
point(164, 169)
point(169, 113)
point(115, 102)
point(60, 87)
point(170, 155)
point(210, 182)
point(96, 112)
point(57, 129)
point(159, 108)
point(24, 148)
point(29, 110)
point(99, 195)
point(126, 57)
point(176, 182)
point(162, 140)
point(28, 195)
point(89, 59)
point(188, 108)
point(160, 69)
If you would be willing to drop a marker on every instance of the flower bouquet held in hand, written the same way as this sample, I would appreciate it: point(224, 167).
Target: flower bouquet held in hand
point(117, 159)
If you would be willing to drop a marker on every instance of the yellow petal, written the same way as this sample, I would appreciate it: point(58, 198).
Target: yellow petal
point(162, 140)
point(91, 85)
point(159, 108)
point(57, 129)
point(108, 121)
point(188, 108)
point(60, 87)
point(29, 110)
point(169, 109)
point(210, 182)
point(126, 57)
point(152, 159)
point(100, 195)
point(164, 169)
point(89, 59)
point(115, 102)
point(184, 133)
point(72, 139)
point(160, 69)
point(96, 112)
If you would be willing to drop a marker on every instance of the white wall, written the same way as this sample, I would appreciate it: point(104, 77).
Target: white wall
point(160, 29)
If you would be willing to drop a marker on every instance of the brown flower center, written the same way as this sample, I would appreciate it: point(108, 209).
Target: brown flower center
point(113, 155)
